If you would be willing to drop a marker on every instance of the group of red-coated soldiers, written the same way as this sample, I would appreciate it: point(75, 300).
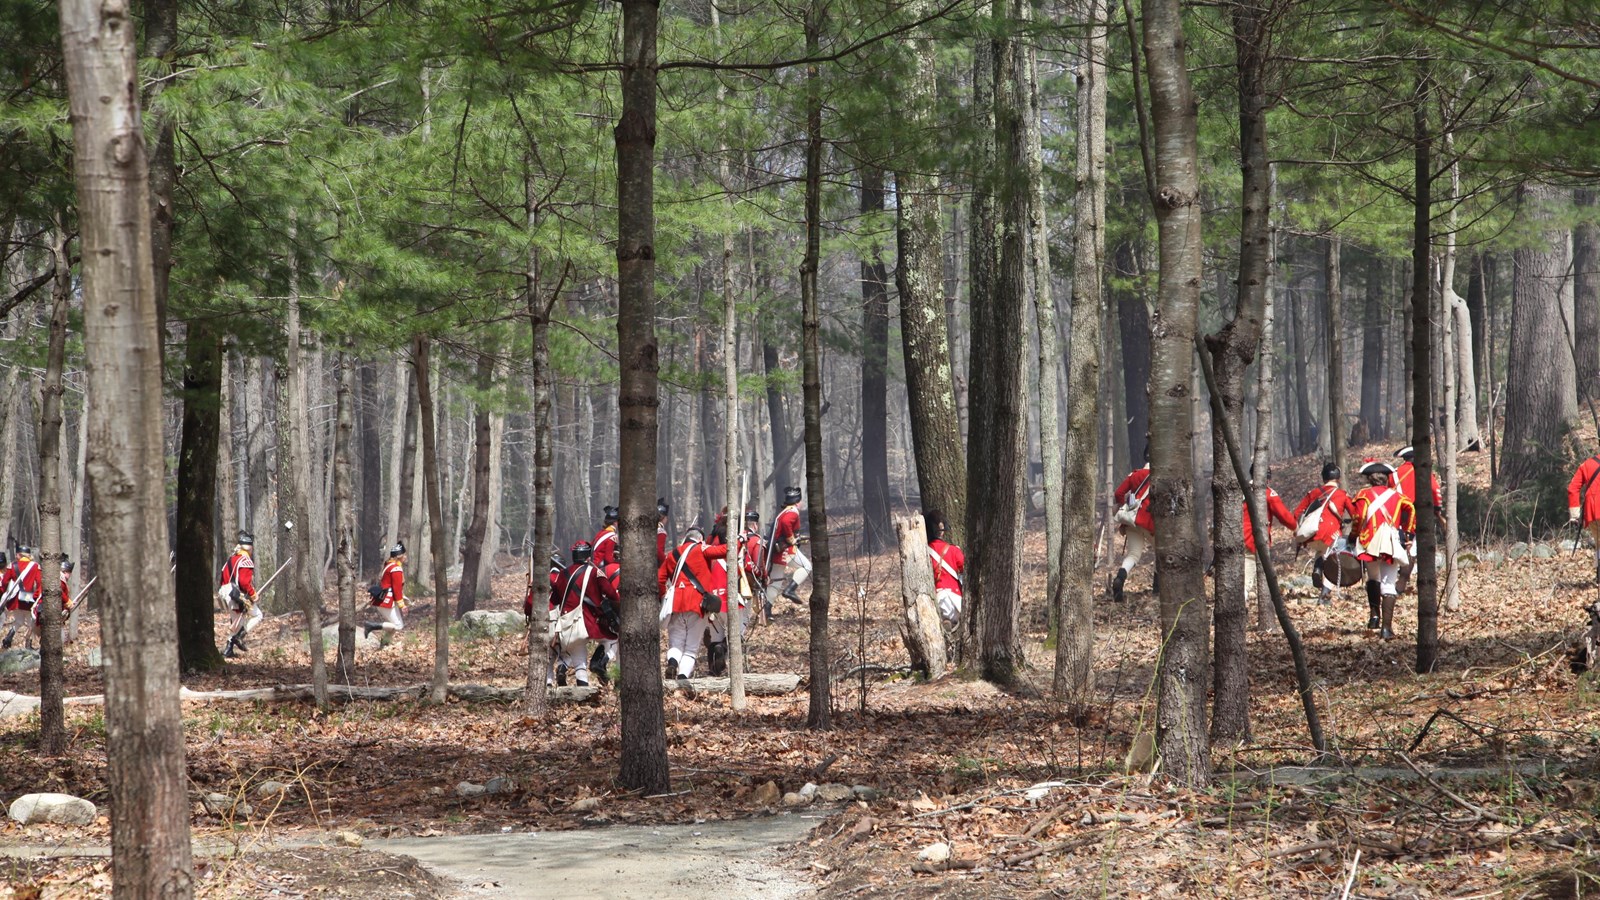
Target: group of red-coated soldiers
point(21, 590)
point(1370, 537)
point(692, 578)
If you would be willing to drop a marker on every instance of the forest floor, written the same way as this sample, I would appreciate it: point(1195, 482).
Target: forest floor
point(1509, 732)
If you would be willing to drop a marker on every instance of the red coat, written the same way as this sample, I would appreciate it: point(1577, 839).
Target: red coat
point(754, 571)
point(1335, 503)
point(587, 584)
point(661, 543)
point(605, 546)
point(393, 583)
point(25, 572)
point(1588, 505)
point(1378, 506)
point(240, 571)
point(1275, 510)
point(674, 581)
point(1137, 484)
point(1405, 478)
point(948, 563)
point(785, 529)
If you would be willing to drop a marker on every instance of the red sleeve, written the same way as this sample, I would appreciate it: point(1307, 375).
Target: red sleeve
point(1279, 511)
point(661, 546)
point(1305, 503)
point(1125, 488)
point(664, 572)
point(247, 577)
point(715, 551)
point(1575, 486)
point(555, 592)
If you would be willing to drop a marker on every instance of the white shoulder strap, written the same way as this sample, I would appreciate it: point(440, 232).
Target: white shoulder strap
point(939, 558)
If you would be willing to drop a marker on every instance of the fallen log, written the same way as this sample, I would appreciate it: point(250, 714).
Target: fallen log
point(764, 685)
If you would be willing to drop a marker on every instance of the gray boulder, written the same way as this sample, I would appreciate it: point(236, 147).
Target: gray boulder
point(224, 805)
point(865, 792)
point(490, 623)
point(53, 809)
point(835, 793)
point(94, 659)
point(467, 789)
point(269, 789)
point(1466, 560)
point(330, 639)
point(498, 785)
point(1543, 551)
point(17, 660)
point(1517, 550)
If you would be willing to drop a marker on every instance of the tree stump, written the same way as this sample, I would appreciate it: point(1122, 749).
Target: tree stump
point(920, 627)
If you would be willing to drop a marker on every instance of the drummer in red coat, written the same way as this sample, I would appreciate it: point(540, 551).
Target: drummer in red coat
point(1276, 512)
point(1382, 524)
point(1135, 522)
point(583, 590)
point(1319, 522)
point(686, 580)
point(1583, 502)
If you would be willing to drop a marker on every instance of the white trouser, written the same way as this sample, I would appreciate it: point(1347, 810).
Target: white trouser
point(685, 631)
point(573, 655)
point(1249, 576)
point(1137, 539)
point(22, 620)
point(1385, 574)
point(246, 621)
point(949, 605)
point(389, 618)
point(797, 567)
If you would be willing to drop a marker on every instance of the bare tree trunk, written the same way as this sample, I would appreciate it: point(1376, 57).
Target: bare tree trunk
point(149, 804)
point(1041, 273)
point(1266, 368)
point(370, 522)
point(733, 497)
point(1586, 301)
point(197, 500)
point(919, 276)
point(405, 499)
point(1372, 331)
point(644, 764)
point(160, 43)
point(472, 556)
point(294, 489)
point(1541, 388)
point(877, 531)
point(1338, 431)
point(1074, 675)
point(344, 515)
point(819, 713)
point(1421, 376)
point(1455, 373)
point(996, 472)
point(52, 676)
point(1181, 714)
point(1133, 326)
point(539, 308)
point(920, 625)
point(1232, 351)
point(431, 494)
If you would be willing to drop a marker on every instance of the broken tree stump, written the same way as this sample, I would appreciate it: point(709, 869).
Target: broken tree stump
point(920, 627)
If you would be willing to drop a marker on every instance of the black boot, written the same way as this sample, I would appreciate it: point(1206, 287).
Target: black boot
point(792, 593)
point(672, 669)
point(227, 649)
point(561, 674)
point(1388, 619)
point(1117, 583)
point(6, 644)
point(719, 657)
point(1373, 595)
point(367, 628)
point(238, 641)
point(598, 663)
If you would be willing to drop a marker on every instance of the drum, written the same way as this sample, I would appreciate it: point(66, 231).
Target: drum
point(1342, 569)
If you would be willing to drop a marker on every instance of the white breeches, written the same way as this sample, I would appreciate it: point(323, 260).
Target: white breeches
point(1249, 576)
point(949, 605)
point(389, 618)
point(574, 655)
point(1136, 540)
point(1385, 574)
point(797, 567)
point(245, 622)
point(685, 631)
point(22, 620)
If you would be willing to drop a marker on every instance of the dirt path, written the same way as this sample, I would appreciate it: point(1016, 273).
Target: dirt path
point(737, 859)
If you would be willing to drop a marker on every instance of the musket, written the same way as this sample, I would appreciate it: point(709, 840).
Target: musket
point(79, 598)
point(268, 582)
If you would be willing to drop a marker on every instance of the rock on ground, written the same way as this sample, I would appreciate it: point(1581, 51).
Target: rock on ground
point(54, 809)
point(490, 623)
point(19, 660)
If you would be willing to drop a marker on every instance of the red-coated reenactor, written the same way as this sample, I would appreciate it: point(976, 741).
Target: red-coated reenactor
point(1583, 502)
point(1135, 522)
point(716, 623)
point(23, 590)
point(583, 606)
point(556, 568)
point(1319, 523)
point(1277, 512)
point(784, 550)
point(685, 579)
point(661, 530)
point(389, 595)
point(751, 550)
point(604, 552)
point(1405, 478)
point(949, 568)
point(236, 589)
point(1382, 524)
